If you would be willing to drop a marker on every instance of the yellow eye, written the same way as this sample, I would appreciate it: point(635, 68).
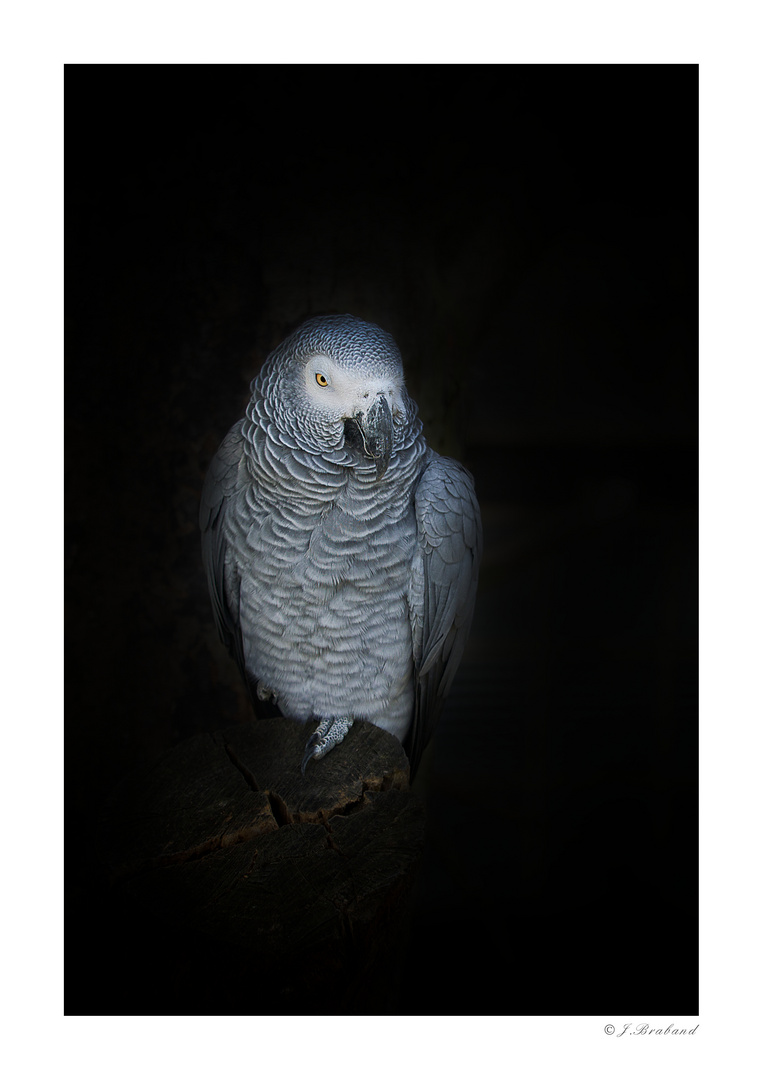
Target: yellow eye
point(321, 379)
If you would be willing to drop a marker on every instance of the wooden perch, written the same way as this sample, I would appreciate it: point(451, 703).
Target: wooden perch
point(305, 880)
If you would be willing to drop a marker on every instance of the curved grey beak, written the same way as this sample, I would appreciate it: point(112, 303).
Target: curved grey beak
point(371, 432)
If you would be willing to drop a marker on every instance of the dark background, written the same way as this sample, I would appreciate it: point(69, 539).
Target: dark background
point(529, 236)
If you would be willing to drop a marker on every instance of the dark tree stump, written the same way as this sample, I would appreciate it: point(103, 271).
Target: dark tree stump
point(303, 883)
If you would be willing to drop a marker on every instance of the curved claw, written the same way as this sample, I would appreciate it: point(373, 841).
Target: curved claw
point(311, 751)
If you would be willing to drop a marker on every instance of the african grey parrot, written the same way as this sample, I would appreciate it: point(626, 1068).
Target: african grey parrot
point(341, 552)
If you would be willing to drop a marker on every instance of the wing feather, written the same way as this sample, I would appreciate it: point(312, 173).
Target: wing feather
point(222, 480)
point(442, 589)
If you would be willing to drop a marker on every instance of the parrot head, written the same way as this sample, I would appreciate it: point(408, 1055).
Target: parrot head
point(338, 383)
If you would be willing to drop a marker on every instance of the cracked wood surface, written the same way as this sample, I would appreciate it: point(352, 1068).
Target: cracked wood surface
point(309, 876)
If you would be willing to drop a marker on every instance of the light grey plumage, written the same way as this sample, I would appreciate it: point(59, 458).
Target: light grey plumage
point(341, 552)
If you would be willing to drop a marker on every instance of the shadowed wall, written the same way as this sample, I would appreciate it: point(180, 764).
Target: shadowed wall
point(529, 236)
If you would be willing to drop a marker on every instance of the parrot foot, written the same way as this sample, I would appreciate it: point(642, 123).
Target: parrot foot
point(264, 693)
point(326, 736)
